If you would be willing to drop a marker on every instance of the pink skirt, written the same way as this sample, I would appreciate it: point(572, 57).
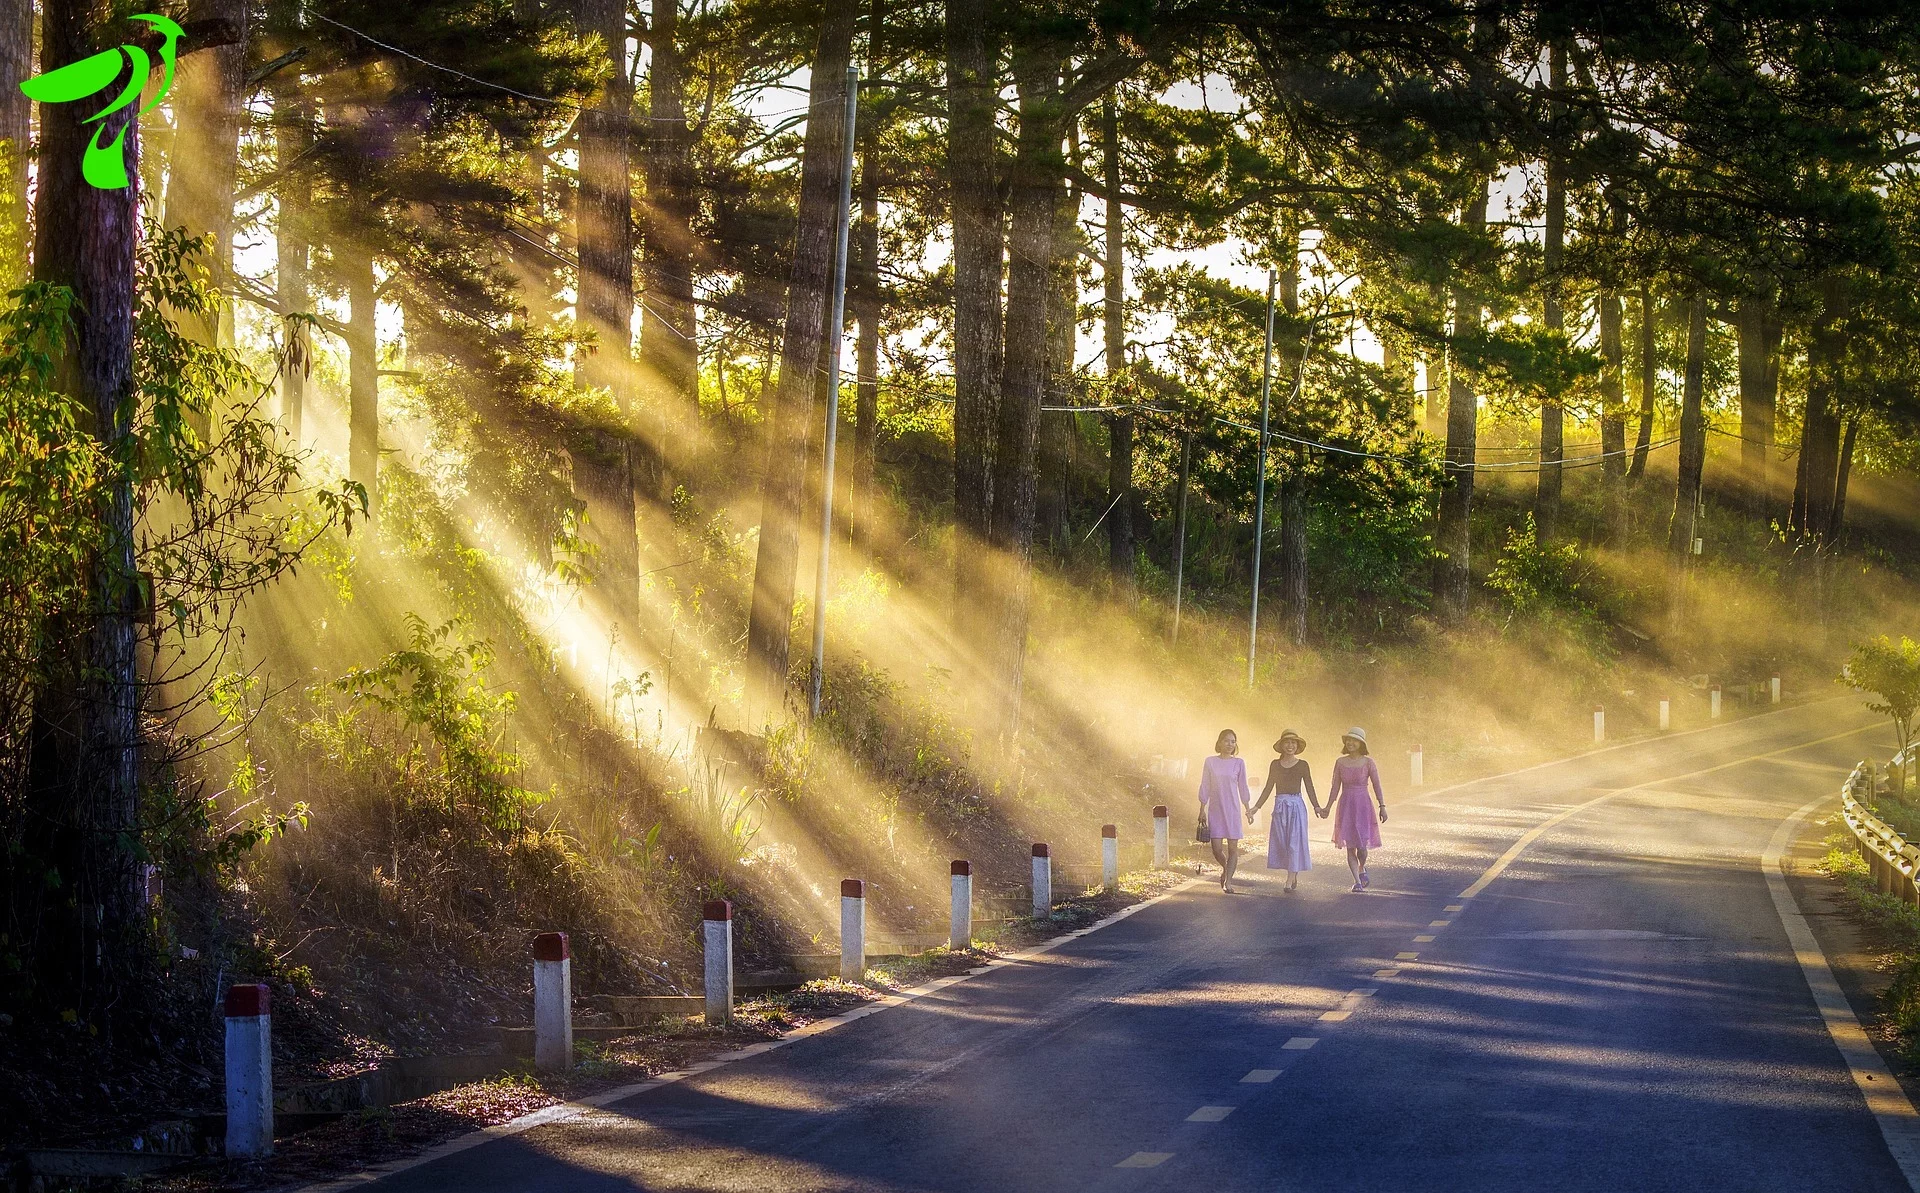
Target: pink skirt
point(1355, 823)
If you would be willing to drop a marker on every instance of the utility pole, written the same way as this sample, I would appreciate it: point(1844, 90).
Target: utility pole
point(1260, 485)
point(843, 221)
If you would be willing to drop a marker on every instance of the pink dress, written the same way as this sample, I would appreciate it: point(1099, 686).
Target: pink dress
point(1355, 823)
point(1224, 795)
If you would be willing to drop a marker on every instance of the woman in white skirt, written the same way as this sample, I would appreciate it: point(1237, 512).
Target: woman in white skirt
point(1287, 835)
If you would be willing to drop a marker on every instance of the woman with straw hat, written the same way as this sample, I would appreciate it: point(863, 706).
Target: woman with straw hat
point(1287, 834)
point(1355, 828)
point(1223, 804)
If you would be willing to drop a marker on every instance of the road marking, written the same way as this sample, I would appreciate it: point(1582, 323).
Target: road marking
point(1423, 940)
point(1259, 1076)
point(1386, 973)
point(1439, 923)
point(1456, 907)
point(1334, 1016)
point(1300, 1043)
point(1406, 956)
point(1209, 1114)
point(1899, 1124)
point(1533, 834)
point(1145, 1160)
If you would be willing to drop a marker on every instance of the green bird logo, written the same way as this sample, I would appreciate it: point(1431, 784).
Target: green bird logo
point(105, 165)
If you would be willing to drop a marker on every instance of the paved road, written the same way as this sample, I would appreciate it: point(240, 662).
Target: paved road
point(1617, 1010)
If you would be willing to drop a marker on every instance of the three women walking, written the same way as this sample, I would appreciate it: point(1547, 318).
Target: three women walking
point(1225, 802)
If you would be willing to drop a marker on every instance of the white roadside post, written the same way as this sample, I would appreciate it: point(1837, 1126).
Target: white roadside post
point(1773, 686)
point(1109, 858)
point(1042, 881)
point(249, 1072)
point(960, 933)
point(1713, 702)
point(717, 915)
point(853, 929)
point(552, 1003)
point(1161, 838)
point(1666, 713)
point(1599, 723)
point(1417, 763)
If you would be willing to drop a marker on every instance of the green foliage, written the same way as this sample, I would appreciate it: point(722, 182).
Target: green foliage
point(1889, 671)
point(1534, 579)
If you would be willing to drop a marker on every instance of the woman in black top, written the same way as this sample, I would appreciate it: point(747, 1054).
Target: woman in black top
point(1289, 775)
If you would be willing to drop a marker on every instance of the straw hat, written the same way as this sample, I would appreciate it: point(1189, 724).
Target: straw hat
point(1288, 733)
point(1357, 734)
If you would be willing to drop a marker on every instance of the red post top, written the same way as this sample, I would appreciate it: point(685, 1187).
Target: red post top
point(716, 909)
point(1716, 687)
point(1109, 830)
point(1159, 811)
point(962, 868)
point(1418, 748)
point(1040, 849)
point(852, 888)
point(1599, 708)
point(551, 946)
point(246, 1001)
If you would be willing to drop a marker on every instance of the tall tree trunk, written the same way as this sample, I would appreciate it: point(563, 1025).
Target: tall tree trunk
point(209, 95)
point(866, 299)
point(1452, 571)
point(1058, 427)
point(363, 372)
point(1120, 544)
point(293, 136)
point(1693, 452)
point(1032, 196)
point(979, 249)
point(1293, 485)
point(603, 467)
point(1613, 414)
point(16, 135)
point(1649, 385)
point(1759, 332)
point(1820, 425)
point(790, 406)
point(1546, 509)
point(1842, 472)
point(1434, 403)
point(669, 327)
point(86, 239)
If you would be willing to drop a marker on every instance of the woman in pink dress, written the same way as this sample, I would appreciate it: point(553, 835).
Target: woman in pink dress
point(1225, 801)
point(1355, 827)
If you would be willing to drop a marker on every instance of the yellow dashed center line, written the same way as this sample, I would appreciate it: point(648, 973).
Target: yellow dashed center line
point(1260, 1077)
point(1406, 956)
point(1209, 1114)
point(1300, 1043)
point(1386, 973)
point(1145, 1160)
point(1423, 940)
point(1334, 1016)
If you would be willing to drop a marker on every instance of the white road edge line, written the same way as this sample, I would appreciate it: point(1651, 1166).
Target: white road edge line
point(566, 1111)
point(1888, 1103)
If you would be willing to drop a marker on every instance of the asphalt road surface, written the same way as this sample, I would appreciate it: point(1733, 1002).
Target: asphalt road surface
point(1616, 1009)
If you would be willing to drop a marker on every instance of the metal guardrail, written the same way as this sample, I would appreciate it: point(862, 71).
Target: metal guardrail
point(1892, 860)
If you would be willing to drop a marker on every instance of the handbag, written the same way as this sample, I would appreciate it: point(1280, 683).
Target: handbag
point(1200, 833)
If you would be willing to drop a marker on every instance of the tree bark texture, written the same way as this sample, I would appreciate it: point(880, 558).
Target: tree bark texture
point(1613, 413)
point(1820, 429)
point(16, 128)
point(363, 373)
point(1693, 436)
point(1546, 507)
point(209, 94)
point(604, 466)
point(1843, 470)
point(86, 239)
point(1649, 385)
point(978, 255)
point(1759, 335)
point(1032, 198)
point(1121, 549)
point(1452, 582)
point(292, 233)
point(669, 327)
point(866, 299)
point(790, 406)
point(1057, 427)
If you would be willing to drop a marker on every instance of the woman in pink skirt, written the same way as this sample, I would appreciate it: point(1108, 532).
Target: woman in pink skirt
point(1224, 801)
point(1355, 827)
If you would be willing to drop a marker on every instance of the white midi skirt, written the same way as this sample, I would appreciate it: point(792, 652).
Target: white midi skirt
point(1287, 837)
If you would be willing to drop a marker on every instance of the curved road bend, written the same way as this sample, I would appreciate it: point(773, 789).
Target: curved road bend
point(1617, 1010)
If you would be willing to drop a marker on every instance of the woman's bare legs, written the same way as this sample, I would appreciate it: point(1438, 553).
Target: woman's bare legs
point(1293, 879)
point(1356, 861)
point(1229, 864)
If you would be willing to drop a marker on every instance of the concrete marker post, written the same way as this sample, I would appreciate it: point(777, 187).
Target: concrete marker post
point(1713, 702)
point(552, 1003)
point(1599, 723)
point(249, 1072)
point(960, 931)
point(853, 929)
point(1042, 881)
point(1109, 858)
point(1417, 764)
point(1666, 714)
point(1162, 848)
point(1773, 689)
point(717, 917)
